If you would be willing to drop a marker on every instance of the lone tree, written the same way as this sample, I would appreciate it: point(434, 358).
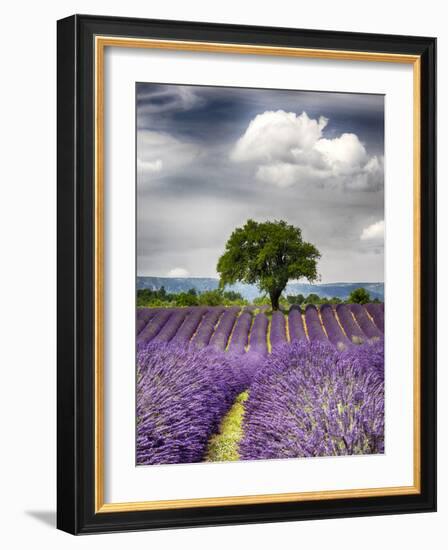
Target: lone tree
point(359, 296)
point(268, 254)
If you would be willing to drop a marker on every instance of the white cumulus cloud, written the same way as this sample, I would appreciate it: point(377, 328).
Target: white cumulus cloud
point(278, 135)
point(374, 232)
point(286, 149)
point(285, 174)
point(344, 154)
point(178, 272)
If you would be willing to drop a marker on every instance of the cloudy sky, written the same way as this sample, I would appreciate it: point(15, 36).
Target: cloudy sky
point(209, 158)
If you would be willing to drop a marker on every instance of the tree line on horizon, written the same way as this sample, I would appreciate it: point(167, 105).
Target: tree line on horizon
point(218, 297)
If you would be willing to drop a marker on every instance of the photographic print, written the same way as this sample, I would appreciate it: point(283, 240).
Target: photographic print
point(260, 274)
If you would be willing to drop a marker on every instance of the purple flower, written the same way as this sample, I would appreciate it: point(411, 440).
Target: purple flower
point(240, 333)
point(350, 326)
point(376, 311)
point(365, 322)
point(220, 337)
point(278, 329)
point(310, 400)
point(206, 328)
point(171, 327)
point(189, 326)
point(315, 331)
point(358, 397)
point(369, 356)
point(295, 322)
point(334, 331)
point(258, 335)
point(182, 395)
point(154, 326)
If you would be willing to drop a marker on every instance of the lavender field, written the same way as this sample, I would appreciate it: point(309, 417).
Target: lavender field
point(240, 383)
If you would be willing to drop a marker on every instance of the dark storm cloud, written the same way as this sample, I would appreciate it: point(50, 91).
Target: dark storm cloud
point(198, 177)
point(190, 111)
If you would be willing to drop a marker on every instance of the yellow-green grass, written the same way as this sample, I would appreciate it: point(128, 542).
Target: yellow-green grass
point(223, 446)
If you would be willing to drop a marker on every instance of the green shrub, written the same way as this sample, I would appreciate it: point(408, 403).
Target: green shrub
point(359, 296)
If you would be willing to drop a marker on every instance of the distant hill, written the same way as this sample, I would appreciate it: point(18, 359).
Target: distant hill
point(201, 284)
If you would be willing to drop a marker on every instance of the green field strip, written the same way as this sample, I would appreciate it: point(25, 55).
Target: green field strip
point(268, 335)
point(356, 339)
point(335, 311)
point(321, 322)
point(217, 324)
point(305, 328)
point(223, 446)
point(288, 337)
point(371, 318)
point(356, 321)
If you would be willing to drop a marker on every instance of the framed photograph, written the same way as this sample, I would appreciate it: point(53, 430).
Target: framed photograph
point(246, 274)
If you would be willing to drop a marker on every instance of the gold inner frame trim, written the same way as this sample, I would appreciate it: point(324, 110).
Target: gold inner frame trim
point(101, 42)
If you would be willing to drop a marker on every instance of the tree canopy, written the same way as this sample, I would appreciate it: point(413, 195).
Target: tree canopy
point(268, 254)
point(359, 296)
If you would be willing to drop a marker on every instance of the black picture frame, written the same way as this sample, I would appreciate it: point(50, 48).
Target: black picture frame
point(76, 512)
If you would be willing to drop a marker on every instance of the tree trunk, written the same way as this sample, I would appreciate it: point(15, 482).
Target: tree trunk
point(275, 297)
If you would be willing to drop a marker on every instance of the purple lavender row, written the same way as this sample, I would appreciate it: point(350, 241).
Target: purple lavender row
point(182, 395)
point(311, 400)
point(221, 335)
point(170, 328)
point(364, 321)
point(295, 322)
point(348, 323)
point(206, 327)
point(315, 331)
point(257, 339)
point(334, 331)
point(377, 314)
point(278, 330)
point(140, 324)
point(154, 326)
point(189, 326)
point(240, 334)
point(143, 316)
point(146, 313)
